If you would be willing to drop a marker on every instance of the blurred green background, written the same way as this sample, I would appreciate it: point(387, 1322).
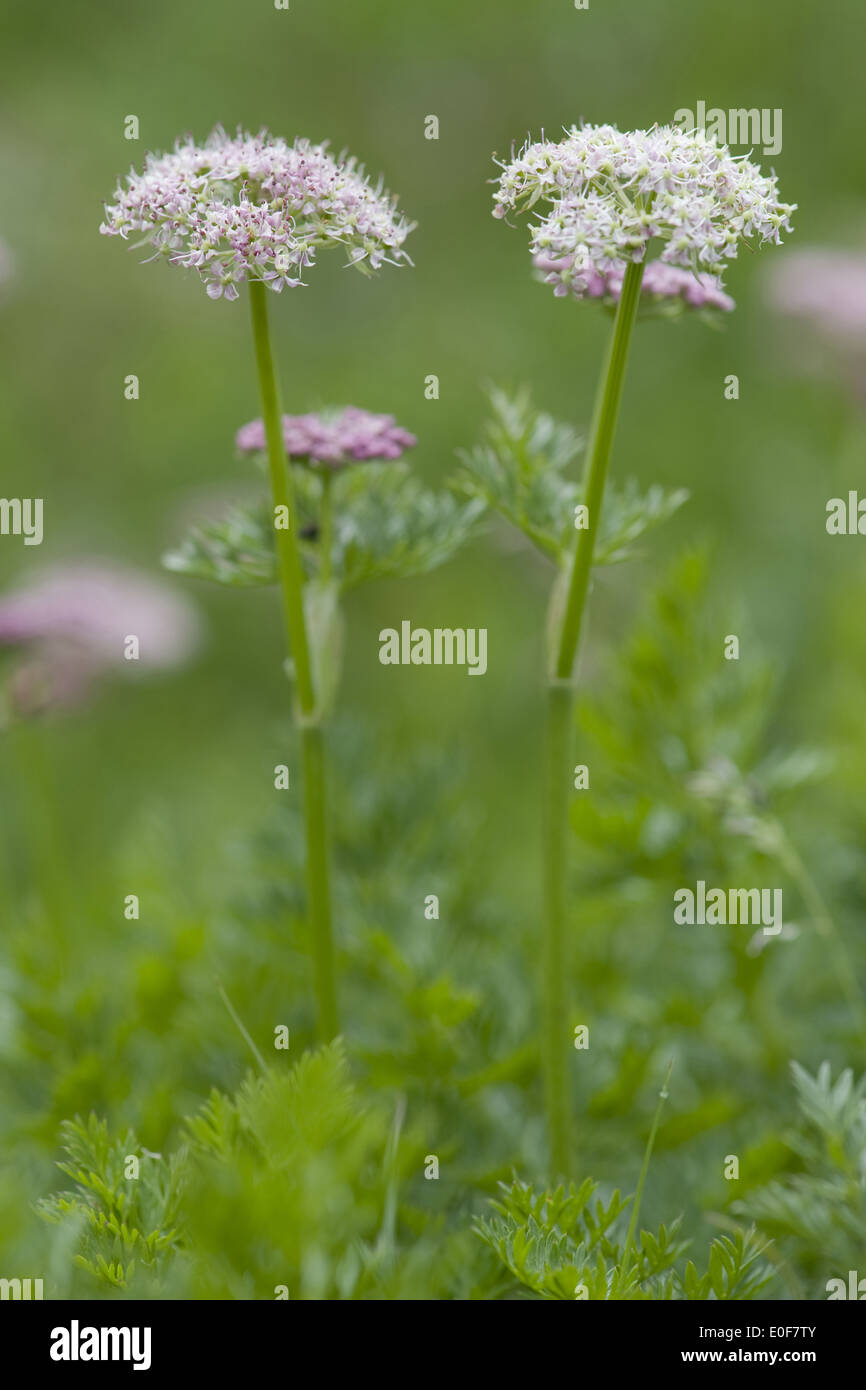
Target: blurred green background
point(176, 772)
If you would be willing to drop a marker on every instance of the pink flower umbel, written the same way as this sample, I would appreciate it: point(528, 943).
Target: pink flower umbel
point(252, 207)
point(333, 439)
point(73, 624)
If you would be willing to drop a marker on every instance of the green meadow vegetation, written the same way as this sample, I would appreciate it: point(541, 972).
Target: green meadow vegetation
point(183, 1113)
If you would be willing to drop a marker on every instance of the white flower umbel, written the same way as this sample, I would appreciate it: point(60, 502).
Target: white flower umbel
point(611, 197)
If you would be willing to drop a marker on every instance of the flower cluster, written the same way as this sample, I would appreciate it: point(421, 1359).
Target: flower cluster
point(611, 193)
point(254, 207)
point(698, 290)
point(333, 439)
point(72, 623)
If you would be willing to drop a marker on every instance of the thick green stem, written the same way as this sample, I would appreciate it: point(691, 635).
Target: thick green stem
point(598, 452)
point(312, 737)
point(560, 712)
point(291, 575)
point(318, 880)
point(560, 707)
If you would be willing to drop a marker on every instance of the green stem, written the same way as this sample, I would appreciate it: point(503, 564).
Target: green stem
point(312, 737)
point(560, 719)
point(560, 706)
point(291, 575)
point(318, 880)
point(326, 525)
point(598, 452)
point(625, 1263)
point(241, 1027)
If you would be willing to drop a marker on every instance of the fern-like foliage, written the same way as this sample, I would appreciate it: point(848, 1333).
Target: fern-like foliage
point(569, 1244)
point(520, 471)
point(386, 523)
point(390, 525)
point(236, 550)
point(289, 1188)
point(125, 1203)
point(817, 1213)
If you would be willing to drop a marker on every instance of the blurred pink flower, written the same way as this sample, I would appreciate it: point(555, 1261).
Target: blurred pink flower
point(72, 625)
point(825, 285)
point(334, 439)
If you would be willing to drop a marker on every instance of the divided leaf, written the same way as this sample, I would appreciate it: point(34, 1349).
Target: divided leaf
point(519, 471)
point(386, 523)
